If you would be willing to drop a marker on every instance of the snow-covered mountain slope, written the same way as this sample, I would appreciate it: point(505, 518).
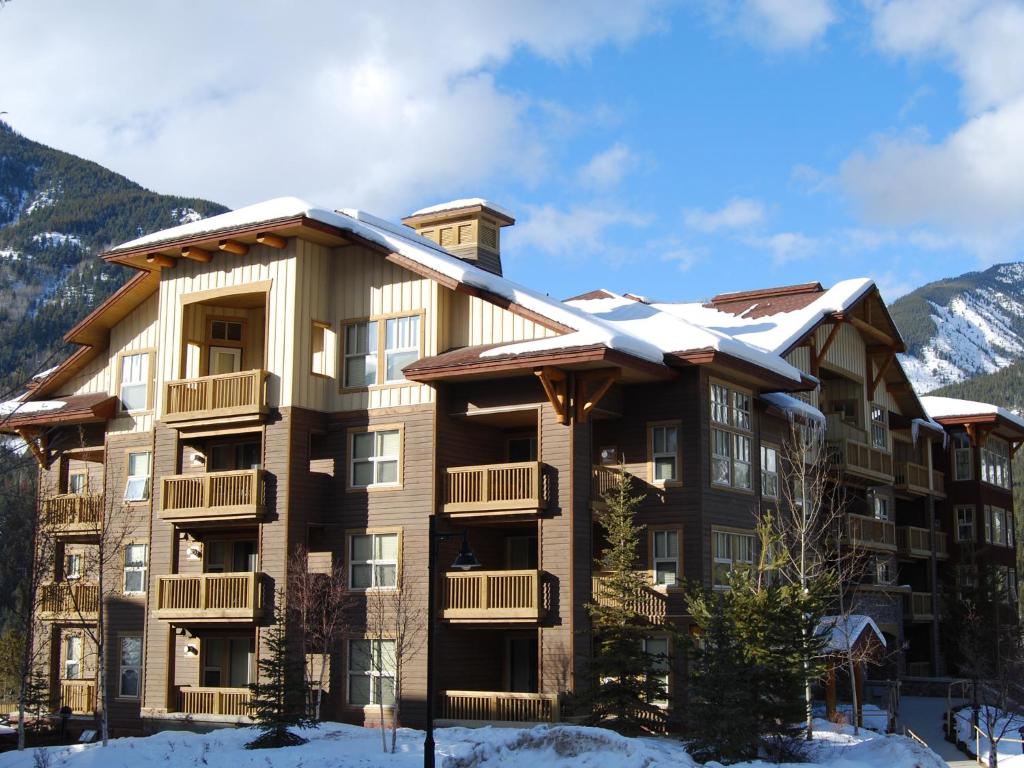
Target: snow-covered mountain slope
point(963, 327)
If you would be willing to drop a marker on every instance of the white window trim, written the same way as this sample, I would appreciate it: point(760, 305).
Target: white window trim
point(372, 673)
point(731, 560)
point(365, 356)
point(374, 459)
point(144, 381)
point(652, 427)
point(766, 474)
point(391, 351)
point(735, 430)
point(957, 523)
point(656, 560)
point(373, 562)
point(69, 642)
point(136, 478)
point(143, 569)
point(73, 574)
point(995, 463)
point(882, 424)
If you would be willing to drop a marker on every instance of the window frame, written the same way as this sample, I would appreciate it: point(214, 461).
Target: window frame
point(122, 667)
point(73, 574)
point(881, 424)
point(65, 659)
point(734, 431)
point(764, 472)
point(328, 349)
point(371, 672)
point(374, 460)
point(379, 352)
point(148, 485)
point(716, 560)
point(652, 457)
point(85, 482)
point(965, 448)
point(132, 568)
point(149, 354)
point(668, 676)
point(653, 560)
point(1000, 465)
point(958, 524)
point(372, 562)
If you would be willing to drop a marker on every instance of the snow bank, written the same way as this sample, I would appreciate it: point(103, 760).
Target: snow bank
point(335, 745)
point(1006, 730)
point(951, 407)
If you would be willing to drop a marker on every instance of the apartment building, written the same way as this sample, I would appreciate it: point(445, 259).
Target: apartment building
point(285, 376)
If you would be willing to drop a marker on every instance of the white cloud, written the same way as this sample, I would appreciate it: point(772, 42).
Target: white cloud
point(738, 213)
point(375, 105)
point(775, 24)
point(574, 233)
point(786, 247)
point(606, 169)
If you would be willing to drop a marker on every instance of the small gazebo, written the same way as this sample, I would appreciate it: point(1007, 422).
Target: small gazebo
point(844, 634)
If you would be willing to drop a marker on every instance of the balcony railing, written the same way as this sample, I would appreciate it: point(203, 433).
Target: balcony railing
point(938, 484)
point(854, 454)
point(499, 707)
point(917, 542)
point(919, 606)
point(912, 478)
point(213, 496)
point(70, 601)
point(211, 597)
point(602, 480)
point(871, 533)
point(494, 489)
point(73, 513)
point(493, 596)
point(650, 603)
point(193, 700)
point(227, 395)
point(79, 695)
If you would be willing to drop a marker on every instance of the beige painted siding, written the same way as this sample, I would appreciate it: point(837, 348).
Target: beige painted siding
point(475, 321)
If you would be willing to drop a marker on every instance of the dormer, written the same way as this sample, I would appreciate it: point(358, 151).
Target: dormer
point(469, 229)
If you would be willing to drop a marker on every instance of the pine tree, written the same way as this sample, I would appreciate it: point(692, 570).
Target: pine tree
point(720, 723)
point(279, 698)
point(626, 679)
point(37, 702)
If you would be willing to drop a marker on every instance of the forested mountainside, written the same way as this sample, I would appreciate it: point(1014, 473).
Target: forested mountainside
point(960, 327)
point(58, 212)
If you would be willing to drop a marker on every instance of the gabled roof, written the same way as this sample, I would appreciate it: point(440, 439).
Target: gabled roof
point(951, 411)
point(74, 409)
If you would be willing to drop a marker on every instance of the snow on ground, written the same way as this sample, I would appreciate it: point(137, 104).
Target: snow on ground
point(1009, 750)
point(334, 745)
point(52, 239)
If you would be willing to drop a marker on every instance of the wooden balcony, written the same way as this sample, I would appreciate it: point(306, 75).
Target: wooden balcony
point(651, 603)
point(70, 601)
point(918, 606)
point(912, 478)
point(469, 707)
point(213, 496)
point(194, 700)
point(73, 514)
point(870, 533)
point(917, 542)
point(602, 480)
point(493, 596)
point(938, 484)
point(211, 597)
point(853, 453)
point(228, 396)
point(494, 489)
point(79, 695)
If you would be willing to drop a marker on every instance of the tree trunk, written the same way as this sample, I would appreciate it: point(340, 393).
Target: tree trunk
point(855, 694)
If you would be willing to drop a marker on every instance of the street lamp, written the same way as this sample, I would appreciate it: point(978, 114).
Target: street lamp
point(464, 561)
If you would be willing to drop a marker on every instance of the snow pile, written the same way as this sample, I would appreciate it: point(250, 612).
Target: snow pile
point(951, 408)
point(36, 406)
point(334, 745)
point(1007, 733)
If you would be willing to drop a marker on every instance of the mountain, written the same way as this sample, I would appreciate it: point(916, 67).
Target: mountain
point(960, 327)
point(58, 212)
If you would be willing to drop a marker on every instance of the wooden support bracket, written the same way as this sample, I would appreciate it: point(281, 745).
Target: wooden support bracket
point(586, 400)
point(196, 254)
point(556, 387)
point(233, 246)
point(819, 356)
point(160, 260)
point(39, 449)
point(869, 330)
point(271, 240)
point(886, 362)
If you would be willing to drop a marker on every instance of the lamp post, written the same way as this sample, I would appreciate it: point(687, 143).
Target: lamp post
point(463, 562)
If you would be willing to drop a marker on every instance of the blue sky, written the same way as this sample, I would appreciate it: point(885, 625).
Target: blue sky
point(670, 149)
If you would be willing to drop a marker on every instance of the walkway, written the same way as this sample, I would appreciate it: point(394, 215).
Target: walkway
point(923, 715)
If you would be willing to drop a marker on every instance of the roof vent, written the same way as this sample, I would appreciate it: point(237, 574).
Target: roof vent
point(469, 229)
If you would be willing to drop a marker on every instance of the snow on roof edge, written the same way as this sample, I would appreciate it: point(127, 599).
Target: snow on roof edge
point(951, 407)
point(466, 202)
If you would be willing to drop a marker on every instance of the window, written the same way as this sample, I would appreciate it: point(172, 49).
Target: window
point(665, 560)
point(998, 526)
point(663, 445)
point(769, 472)
point(995, 462)
point(884, 572)
point(226, 330)
point(401, 345)
point(134, 387)
point(77, 482)
point(880, 506)
point(372, 357)
point(730, 438)
point(361, 354)
point(961, 456)
point(322, 349)
point(1011, 584)
point(375, 458)
point(135, 568)
point(373, 561)
point(226, 457)
point(521, 449)
point(72, 657)
point(657, 646)
point(72, 567)
point(137, 486)
point(965, 523)
point(371, 672)
point(131, 666)
point(731, 550)
point(879, 427)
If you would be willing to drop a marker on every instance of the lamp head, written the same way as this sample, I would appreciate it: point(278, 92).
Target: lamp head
point(465, 560)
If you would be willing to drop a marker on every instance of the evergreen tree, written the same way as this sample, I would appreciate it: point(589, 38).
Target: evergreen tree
point(279, 698)
point(626, 679)
point(720, 723)
point(37, 702)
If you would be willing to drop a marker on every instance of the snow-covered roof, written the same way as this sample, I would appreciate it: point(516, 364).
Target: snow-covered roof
point(794, 407)
point(22, 407)
point(843, 631)
point(617, 323)
point(951, 408)
point(466, 202)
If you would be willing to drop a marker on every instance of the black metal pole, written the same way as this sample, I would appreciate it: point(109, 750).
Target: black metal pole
point(428, 742)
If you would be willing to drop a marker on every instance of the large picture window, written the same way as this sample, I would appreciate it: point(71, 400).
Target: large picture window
point(371, 672)
point(373, 561)
point(134, 382)
point(372, 357)
point(731, 550)
point(730, 437)
point(995, 462)
point(376, 458)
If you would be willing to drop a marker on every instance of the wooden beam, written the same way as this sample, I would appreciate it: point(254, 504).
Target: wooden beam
point(820, 355)
point(160, 260)
point(881, 372)
point(586, 402)
point(233, 246)
point(271, 240)
point(38, 449)
point(870, 330)
point(556, 386)
point(196, 254)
